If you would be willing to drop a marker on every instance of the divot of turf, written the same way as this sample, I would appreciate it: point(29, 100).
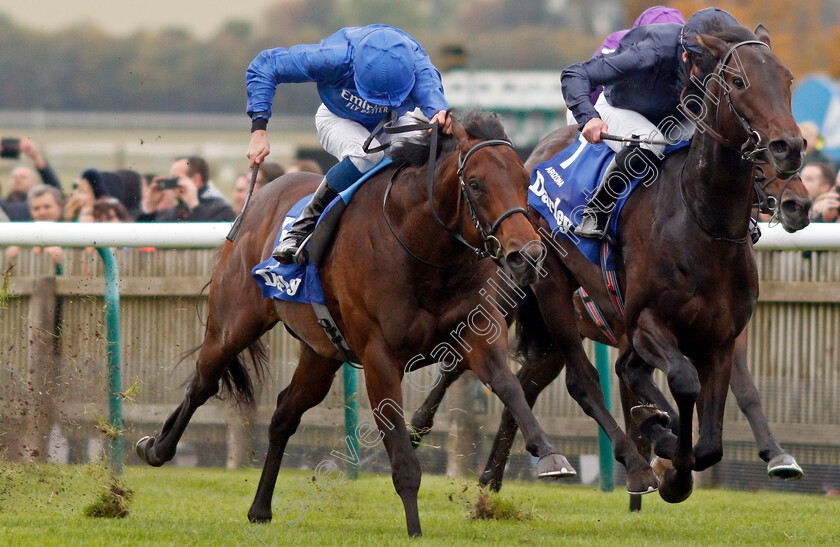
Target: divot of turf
point(113, 501)
point(492, 506)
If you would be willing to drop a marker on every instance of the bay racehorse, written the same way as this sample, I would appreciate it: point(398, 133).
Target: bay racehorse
point(400, 277)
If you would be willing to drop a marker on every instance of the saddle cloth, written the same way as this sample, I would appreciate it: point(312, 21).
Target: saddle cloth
point(561, 187)
point(295, 283)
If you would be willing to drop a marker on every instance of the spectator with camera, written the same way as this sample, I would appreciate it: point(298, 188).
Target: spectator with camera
point(23, 179)
point(188, 185)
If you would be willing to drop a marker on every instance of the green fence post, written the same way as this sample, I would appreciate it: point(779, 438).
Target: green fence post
point(112, 317)
point(351, 414)
point(605, 455)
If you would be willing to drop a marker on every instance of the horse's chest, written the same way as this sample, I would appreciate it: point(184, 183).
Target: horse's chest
point(705, 302)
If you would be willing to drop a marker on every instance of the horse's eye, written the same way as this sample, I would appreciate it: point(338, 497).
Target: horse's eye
point(474, 184)
point(738, 83)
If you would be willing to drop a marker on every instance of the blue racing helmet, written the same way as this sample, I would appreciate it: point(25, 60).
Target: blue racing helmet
point(384, 67)
point(704, 19)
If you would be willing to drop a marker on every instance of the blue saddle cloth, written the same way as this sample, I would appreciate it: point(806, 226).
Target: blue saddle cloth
point(295, 283)
point(561, 187)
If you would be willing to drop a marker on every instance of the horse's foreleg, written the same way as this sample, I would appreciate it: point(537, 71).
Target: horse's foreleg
point(423, 419)
point(554, 295)
point(534, 378)
point(710, 406)
point(659, 423)
point(310, 384)
point(657, 345)
point(489, 363)
point(779, 463)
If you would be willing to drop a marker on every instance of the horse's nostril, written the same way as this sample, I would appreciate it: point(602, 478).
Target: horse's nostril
point(779, 147)
point(515, 260)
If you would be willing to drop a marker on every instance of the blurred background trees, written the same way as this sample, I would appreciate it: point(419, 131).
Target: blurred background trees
point(86, 68)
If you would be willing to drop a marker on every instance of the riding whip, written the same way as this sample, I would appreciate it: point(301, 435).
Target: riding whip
point(633, 140)
point(234, 229)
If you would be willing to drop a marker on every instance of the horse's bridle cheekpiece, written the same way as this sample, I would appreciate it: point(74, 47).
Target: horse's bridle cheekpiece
point(492, 247)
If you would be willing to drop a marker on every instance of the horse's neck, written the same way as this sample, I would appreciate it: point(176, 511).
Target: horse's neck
point(428, 239)
point(716, 187)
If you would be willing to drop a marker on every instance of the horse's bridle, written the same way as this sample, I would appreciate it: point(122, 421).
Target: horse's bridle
point(752, 148)
point(491, 246)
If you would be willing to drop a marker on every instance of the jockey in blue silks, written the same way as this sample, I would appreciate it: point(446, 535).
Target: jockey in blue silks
point(642, 80)
point(363, 74)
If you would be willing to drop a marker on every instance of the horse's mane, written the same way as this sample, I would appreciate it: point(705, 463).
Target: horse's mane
point(706, 62)
point(481, 125)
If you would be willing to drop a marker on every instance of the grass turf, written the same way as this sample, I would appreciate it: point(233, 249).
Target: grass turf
point(43, 505)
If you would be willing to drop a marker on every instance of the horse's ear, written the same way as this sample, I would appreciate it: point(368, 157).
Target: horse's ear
point(714, 45)
point(458, 131)
point(763, 34)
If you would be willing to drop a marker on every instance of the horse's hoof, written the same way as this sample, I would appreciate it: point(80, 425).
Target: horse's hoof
point(642, 482)
point(490, 480)
point(259, 517)
point(676, 488)
point(554, 466)
point(141, 447)
point(784, 467)
point(417, 433)
point(649, 414)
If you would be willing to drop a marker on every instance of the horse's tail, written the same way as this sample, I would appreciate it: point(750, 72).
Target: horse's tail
point(533, 343)
point(236, 380)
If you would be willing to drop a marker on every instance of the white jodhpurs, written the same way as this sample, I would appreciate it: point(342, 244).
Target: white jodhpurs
point(344, 138)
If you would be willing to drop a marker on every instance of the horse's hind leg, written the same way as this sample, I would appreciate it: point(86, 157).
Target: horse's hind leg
point(779, 463)
point(423, 419)
point(310, 384)
point(224, 340)
point(533, 378)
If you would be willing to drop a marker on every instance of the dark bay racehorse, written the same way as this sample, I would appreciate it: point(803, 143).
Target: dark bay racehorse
point(691, 292)
point(542, 360)
point(554, 292)
point(396, 289)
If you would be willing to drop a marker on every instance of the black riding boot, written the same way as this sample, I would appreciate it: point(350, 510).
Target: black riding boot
point(286, 251)
point(596, 216)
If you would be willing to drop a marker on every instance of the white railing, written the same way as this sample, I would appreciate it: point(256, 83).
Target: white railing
point(816, 237)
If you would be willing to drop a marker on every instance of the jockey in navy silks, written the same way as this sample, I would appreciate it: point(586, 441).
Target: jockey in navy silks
point(651, 16)
point(363, 74)
point(642, 80)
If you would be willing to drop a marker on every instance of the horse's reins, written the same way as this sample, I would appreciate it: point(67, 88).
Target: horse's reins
point(492, 248)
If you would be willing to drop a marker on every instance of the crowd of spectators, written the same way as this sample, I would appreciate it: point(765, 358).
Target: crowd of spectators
point(185, 194)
